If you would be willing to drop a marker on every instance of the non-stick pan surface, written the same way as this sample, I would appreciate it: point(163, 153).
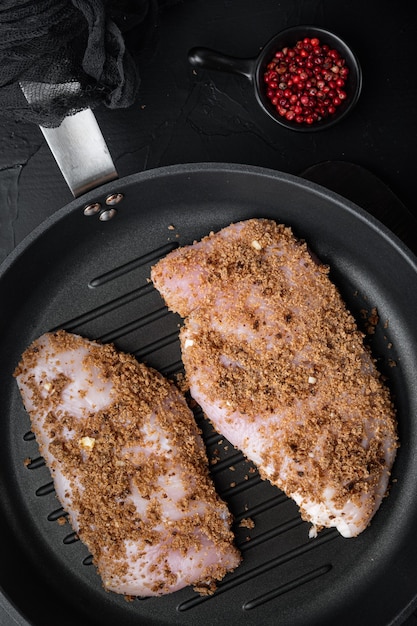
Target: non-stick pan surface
point(91, 277)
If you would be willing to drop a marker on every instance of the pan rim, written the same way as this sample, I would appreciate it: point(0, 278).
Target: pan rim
point(210, 167)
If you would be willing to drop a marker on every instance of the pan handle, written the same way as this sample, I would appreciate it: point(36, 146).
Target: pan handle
point(81, 152)
point(213, 60)
point(79, 148)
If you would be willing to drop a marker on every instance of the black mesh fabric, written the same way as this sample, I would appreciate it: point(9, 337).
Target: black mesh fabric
point(58, 57)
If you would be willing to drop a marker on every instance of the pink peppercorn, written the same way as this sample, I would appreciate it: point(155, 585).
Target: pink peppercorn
point(305, 83)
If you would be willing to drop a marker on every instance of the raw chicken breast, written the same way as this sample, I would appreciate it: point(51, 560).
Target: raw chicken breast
point(128, 465)
point(278, 365)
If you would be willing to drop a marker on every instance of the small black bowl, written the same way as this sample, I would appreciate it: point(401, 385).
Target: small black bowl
point(253, 69)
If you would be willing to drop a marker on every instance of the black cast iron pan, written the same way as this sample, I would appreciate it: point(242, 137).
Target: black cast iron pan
point(90, 276)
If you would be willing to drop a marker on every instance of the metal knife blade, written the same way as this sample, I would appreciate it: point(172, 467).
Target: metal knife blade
point(79, 148)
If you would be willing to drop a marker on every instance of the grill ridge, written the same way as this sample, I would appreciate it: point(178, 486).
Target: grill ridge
point(107, 307)
point(265, 506)
point(161, 342)
point(121, 270)
point(245, 545)
point(134, 325)
point(57, 514)
point(36, 463)
point(285, 588)
point(45, 490)
point(263, 568)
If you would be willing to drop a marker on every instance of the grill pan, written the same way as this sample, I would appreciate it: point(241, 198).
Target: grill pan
point(91, 277)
